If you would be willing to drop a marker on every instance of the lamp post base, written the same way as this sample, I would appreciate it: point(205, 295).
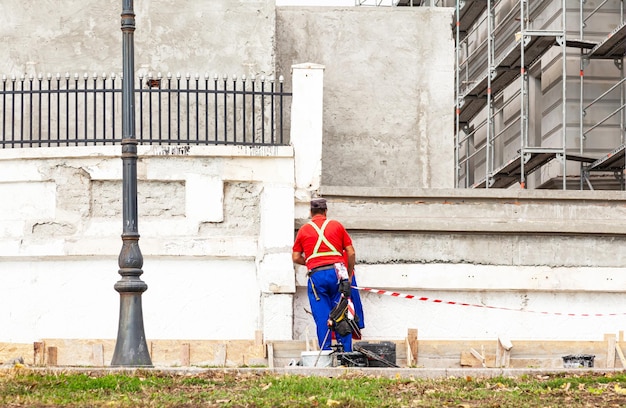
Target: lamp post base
point(131, 349)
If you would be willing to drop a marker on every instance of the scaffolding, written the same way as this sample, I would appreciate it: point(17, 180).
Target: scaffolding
point(604, 115)
point(520, 121)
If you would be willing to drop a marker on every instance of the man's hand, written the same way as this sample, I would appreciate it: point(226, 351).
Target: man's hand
point(344, 288)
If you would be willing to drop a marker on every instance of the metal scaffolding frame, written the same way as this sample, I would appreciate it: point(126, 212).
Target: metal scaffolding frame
point(490, 107)
point(510, 48)
point(612, 46)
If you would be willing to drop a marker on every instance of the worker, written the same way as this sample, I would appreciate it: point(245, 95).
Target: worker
point(319, 245)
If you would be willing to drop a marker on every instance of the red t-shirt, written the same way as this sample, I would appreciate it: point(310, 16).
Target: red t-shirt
point(307, 237)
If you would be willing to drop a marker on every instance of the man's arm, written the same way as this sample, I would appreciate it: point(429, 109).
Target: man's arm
point(298, 258)
point(351, 260)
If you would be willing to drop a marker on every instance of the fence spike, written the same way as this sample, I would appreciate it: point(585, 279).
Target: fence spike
point(178, 75)
point(159, 76)
point(262, 78)
point(225, 76)
point(49, 76)
point(243, 77)
point(112, 75)
point(206, 75)
point(197, 76)
point(104, 75)
point(215, 77)
point(85, 75)
point(4, 78)
point(40, 76)
point(169, 75)
point(281, 79)
point(187, 75)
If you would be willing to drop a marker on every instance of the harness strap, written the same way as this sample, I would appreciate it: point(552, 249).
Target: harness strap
point(321, 238)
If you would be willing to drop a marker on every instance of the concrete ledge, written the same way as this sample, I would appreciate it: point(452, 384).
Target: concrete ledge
point(409, 373)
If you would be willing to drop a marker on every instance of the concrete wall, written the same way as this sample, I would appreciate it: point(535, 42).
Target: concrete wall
point(216, 227)
point(219, 37)
point(388, 91)
point(520, 261)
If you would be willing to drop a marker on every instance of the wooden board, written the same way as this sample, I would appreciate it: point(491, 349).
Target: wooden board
point(253, 352)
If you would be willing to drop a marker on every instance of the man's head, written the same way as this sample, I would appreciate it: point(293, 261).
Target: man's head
point(318, 206)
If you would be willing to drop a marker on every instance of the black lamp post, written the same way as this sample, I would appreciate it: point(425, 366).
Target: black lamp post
point(130, 348)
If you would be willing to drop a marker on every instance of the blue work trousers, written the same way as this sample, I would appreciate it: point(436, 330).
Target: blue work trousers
point(322, 300)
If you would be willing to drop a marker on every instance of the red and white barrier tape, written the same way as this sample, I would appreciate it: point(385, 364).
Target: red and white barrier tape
point(448, 302)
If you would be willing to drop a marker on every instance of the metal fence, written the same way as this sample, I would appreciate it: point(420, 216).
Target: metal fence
point(83, 110)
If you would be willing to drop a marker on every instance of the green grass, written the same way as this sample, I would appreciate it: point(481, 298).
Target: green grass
point(220, 388)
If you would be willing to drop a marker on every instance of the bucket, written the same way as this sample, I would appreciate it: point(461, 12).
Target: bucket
point(325, 359)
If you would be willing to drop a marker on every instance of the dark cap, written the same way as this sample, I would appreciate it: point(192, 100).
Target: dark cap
point(318, 203)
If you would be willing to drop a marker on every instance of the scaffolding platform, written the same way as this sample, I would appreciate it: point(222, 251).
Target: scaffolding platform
point(511, 172)
point(469, 12)
point(613, 161)
point(612, 46)
point(506, 70)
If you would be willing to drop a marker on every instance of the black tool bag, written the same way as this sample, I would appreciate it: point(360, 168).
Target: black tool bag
point(340, 320)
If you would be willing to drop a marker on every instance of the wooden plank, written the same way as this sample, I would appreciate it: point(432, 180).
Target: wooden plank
point(52, 356)
point(220, 355)
point(503, 352)
point(270, 355)
point(38, 353)
point(432, 353)
point(610, 350)
point(409, 356)
point(412, 339)
point(622, 359)
point(97, 355)
point(480, 357)
point(185, 355)
point(468, 359)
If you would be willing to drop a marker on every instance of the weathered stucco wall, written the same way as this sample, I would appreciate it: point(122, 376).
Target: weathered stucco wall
point(216, 227)
point(218, 37)
point(388, 90)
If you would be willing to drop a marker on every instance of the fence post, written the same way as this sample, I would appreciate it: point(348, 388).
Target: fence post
point(306, 127)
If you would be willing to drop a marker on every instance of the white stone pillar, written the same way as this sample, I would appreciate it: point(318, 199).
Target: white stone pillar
point(306, 127)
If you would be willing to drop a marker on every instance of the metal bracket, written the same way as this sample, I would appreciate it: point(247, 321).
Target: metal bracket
point(584, 61)
point(560, 157)
point(527, 157)
point(619, 63)
point(560, 40)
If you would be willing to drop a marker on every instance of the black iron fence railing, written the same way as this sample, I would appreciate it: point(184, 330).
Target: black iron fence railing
point(86, 110)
